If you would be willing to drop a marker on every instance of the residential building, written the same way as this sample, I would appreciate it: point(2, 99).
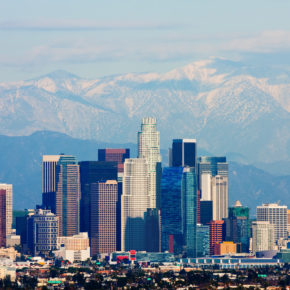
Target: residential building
point(183, 153)
point(276, 215)
point(263, 236)
point(104, 199)
point(149, 149)
point(42, 232)
point(134, 203)
point(68, 195)
point(6, 198)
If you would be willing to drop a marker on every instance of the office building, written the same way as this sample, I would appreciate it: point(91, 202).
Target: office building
point(114, 155)
point(5, 212)
point(104, 199)
point(224, 248)
point(216, 234)
point(149, 149)
point(183, 153)
point(134, 204)
point(288, 222)
point(189, 207)
point(93, 172)
point(238, 226)
point(42, 232)
point(263, 236)
point(68, 195)
point(49, 163)
point(219, 191)
point(202, 240)
point(153, 230)
point(276, 215)
point(209, 167)
point(205, 211)
point(74, 249)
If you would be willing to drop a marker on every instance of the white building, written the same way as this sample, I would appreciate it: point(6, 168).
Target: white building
point(134, 203)
point(219, 191)
point(74, 249)
point(276, 215)
point(149, 148)
point(263, 236)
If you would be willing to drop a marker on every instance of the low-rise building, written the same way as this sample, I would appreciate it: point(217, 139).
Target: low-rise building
point(9, 253)
point(12, 240)
point(225, 248)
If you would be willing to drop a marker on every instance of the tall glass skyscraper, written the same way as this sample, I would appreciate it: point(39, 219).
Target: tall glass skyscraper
point(149, 149)
point(178, 210)
point(202, 240)
point(68, 195)
point(134, 203)
point(183, 153)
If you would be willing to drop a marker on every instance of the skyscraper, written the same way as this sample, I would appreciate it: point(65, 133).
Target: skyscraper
point(134, 203)
point(5, 212)
point(202, 240)
point(104, 198)
point(216, 234)
point(183, 153)
point(276, 215)
point(93, 172)
point(149, 149)
point(205, 211)
point(219, 191)
point(114, 155)
point(288, 221)
point(49, 163)
point(68, 195)
point(263, 236)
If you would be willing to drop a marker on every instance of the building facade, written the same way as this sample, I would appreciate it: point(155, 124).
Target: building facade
point(183, 153)
point(104, 199)
point(134, 203)
point(276, 215)
point(149, 149)
point(202, 240)
point(220, 200)
point(216, 234)
point(6, 198)
point(263, 236)
point(42, 232)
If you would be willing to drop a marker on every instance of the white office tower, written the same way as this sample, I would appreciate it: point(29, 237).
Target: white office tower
point(219, 191)
point(134, 204)
point(49, 163)
point(149, 148)
point(276, 215)
point(263, 236)
point(6, 209)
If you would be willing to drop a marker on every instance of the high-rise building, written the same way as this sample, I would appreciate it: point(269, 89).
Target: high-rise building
point(68, 195)
point(149, 149)
point(216, 234)
point(219, 191)
point(238, 226)
point(49, 163)
point(209, 167)
point(205, 211)
point(134, 203)
point(114, 155)
point(104, 198)
point(189, 206)
point(276, 215)
point(42, 232)
point(288, 221)
point(178, 210)
point(263, 236)
point(202, 240)
point(5, 212)
point(93, 172)
point(183, 153)
point(153, 230)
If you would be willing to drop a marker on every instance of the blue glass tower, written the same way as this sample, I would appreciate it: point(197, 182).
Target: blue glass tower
point(202, 240)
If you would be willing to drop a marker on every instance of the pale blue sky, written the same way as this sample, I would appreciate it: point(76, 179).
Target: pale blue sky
point(96, 38)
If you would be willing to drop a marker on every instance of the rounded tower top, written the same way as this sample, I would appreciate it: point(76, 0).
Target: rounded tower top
point(238, 204)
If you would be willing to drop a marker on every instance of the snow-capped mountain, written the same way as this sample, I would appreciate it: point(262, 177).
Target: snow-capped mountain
point(228, 106)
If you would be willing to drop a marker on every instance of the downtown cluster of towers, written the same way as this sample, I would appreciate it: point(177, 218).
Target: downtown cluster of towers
point(125, 204)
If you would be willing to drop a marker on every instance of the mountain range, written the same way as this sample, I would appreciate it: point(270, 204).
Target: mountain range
point(21, 157)
point(230, 107)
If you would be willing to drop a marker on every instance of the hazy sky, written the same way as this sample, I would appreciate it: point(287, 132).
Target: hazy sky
point(96, 38)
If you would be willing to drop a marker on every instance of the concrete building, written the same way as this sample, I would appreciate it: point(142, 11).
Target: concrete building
point(9, 253)
point(134, 203)
point(288, 222)
point(263, 236)
point(74, 248)
point(149, 149)
point(42, 232)
point(12, 240)
point(6, 198)
point(68, 195)
point(276, 215)
point(104, 199)
point(224, 248)
point(220, 200)
point(216, 234)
